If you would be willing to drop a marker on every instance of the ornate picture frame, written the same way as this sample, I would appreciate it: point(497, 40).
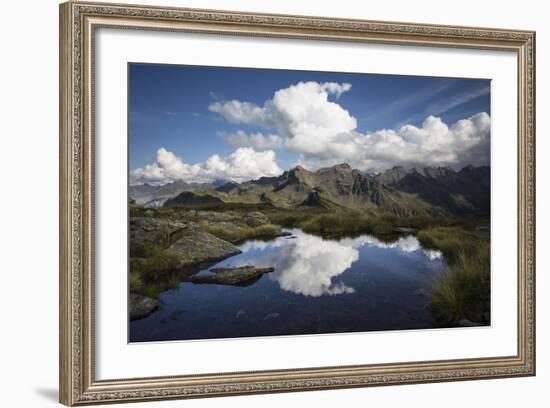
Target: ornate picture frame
point(78, 24)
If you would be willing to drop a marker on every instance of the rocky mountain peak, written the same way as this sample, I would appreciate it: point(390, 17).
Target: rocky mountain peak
point(295, 172)
point(343, 166)
point(399, 190)
point(298, 173)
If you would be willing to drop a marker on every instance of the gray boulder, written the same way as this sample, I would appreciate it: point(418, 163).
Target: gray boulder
point(141, 306)
point(197, 246)
point(155, 229)
point(232, 276)
point(255, 219)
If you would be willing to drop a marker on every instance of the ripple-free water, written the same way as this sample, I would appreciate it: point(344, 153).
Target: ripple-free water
point(318, 286)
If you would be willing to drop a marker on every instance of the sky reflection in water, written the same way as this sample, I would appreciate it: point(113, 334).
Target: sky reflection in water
point(308, 265)
point(318, 286)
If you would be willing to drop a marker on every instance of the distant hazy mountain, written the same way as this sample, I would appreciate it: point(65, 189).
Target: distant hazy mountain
point(465, 191)
point(155, 196)
point(400, 191)
point(226, 187)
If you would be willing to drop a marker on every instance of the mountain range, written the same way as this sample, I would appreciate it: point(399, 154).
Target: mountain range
point(400, 191)
point(155, 195)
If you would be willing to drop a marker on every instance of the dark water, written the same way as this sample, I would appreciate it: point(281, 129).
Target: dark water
point(318, 286)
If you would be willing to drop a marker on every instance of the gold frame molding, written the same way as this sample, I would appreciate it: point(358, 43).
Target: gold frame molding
point(78, 22)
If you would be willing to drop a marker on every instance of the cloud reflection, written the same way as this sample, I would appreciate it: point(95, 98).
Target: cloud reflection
point(310, 266)
point(406, 244)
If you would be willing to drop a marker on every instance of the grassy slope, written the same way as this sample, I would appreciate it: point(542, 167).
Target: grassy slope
point(153, 270)
point(243, 233)
point(464, 290)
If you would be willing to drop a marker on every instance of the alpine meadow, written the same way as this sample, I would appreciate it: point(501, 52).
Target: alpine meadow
point(270, 202)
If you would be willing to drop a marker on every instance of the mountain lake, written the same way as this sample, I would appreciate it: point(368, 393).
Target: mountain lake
point(317, 286)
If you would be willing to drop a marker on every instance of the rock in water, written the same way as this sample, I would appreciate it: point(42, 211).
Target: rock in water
point(232, 276)
point(199, 246)
point(141, 306)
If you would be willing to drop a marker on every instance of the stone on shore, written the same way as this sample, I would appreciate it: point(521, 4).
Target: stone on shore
point(232, 276)
point(198, 246)
point(141, 306)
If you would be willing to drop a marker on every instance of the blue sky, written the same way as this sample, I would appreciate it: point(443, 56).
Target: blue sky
point(170, 107)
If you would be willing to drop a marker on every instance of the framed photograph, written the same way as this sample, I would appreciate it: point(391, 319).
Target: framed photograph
point(256, 203)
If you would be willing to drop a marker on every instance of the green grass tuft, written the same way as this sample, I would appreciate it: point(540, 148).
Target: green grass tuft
point(463, 291)
point(241, 232)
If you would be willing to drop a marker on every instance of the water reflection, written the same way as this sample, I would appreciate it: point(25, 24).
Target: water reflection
point(309, 265)
point(318, 286)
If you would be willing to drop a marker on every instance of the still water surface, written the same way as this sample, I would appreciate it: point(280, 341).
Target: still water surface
point(318, 286)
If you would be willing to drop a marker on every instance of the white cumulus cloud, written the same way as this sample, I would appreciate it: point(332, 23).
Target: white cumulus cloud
point(299, 108)
point(256, 140)
point(243, 164)
point(433, 143)
point(306, 121)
